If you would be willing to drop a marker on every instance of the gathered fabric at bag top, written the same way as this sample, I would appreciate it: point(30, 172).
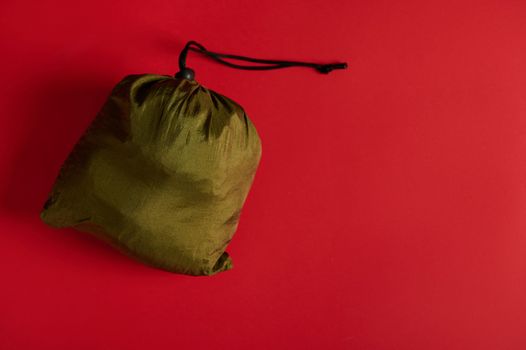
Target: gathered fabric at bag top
point(164, 169)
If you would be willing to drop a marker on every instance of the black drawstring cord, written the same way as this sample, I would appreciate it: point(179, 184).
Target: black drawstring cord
point(188, 73)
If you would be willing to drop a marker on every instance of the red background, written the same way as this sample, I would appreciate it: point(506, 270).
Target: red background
point(388, 211)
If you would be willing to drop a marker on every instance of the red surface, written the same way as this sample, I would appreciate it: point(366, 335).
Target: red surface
point(393, 219)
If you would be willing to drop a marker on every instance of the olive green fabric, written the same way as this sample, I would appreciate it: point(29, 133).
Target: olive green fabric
point(162, 173)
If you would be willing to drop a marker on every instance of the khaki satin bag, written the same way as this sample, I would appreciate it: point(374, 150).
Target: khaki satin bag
point(163, 171)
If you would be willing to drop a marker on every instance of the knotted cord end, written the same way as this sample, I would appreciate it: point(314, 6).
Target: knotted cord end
point(327, 68)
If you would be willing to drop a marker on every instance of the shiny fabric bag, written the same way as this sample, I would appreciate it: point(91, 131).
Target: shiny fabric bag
point(163, 171)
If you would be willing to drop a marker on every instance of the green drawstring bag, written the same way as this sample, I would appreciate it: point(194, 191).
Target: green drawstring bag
point(163, 171)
